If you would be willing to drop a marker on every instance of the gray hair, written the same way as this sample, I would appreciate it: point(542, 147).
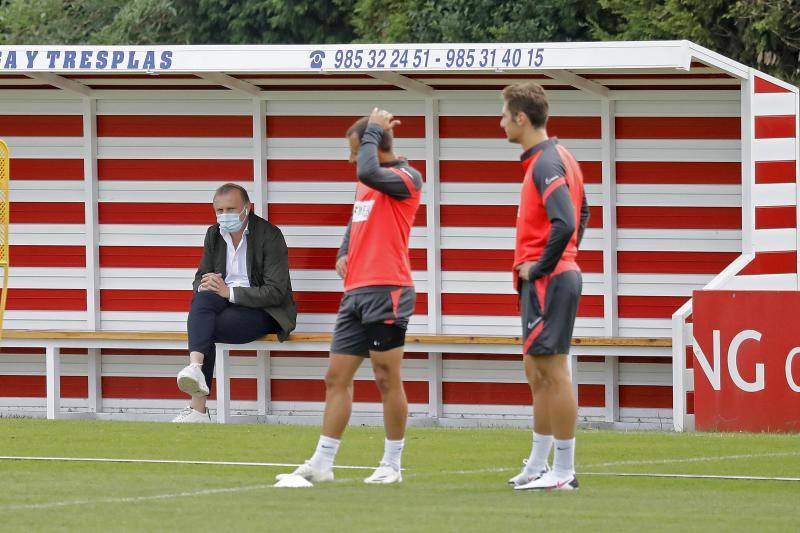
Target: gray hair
point(228, 187)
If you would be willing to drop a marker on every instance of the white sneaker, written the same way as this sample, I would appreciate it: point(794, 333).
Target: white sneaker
point(524, 477)
point(309, 473)
point(384, 475)
point(551, 481)
point(190, 416)
point(192, 381)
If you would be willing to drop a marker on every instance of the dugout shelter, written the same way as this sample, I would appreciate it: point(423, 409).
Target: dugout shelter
point(690, 160)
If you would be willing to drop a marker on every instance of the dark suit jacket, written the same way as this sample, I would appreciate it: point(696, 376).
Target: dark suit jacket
point(267, 268)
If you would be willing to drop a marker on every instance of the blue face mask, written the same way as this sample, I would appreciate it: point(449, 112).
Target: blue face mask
point(231, 222)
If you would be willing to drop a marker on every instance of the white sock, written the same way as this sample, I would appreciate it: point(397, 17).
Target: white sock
point(564, 458)
point(325, 453)
point(392, 452)
point(540, 453)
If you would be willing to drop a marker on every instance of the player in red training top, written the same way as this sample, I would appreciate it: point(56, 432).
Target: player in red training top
point(378, 299)
point(551, 220)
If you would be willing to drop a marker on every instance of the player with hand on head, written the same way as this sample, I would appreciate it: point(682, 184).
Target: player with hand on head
point(551, 220)
point(378, 300)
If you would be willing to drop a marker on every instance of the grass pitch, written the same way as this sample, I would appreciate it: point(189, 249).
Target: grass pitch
point(455, 480)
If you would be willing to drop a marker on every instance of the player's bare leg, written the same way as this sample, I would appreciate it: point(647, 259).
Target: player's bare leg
point(552, 377)
point(553, 385)
point(387, 367)
point(541, 416)
point(542, 436)
point(339, 393)
point(338, 406)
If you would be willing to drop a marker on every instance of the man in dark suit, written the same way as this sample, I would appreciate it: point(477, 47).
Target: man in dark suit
point(242, 291)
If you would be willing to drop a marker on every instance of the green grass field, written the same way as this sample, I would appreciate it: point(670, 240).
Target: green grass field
point(454, 481)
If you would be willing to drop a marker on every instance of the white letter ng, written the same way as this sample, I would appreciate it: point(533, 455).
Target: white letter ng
point(733, 367)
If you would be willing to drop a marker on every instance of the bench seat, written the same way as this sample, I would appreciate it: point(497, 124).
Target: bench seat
point(322, 337)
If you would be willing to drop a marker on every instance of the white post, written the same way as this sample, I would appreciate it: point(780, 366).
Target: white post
point(678, 365)
point(688, 375)
point(433, 198)
point(748, 166)
point(797, 176)
point(611, 381)
point(263, 382)
point(91, 222)
point(223, 385)
point(95, 377)
point(435, 367)
point(260, 156)
point(609, 188)
point(53, 377)
point(610, 303)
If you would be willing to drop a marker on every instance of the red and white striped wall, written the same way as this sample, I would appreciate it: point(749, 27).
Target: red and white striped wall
point(156, 163)
point(47, 285)
point(678, 198)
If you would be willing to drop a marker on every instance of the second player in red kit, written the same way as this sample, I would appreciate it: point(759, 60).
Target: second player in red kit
point(552, 217)
point(378, 300)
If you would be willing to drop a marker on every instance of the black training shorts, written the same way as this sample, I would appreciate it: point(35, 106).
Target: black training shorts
point(548, 307)
point(372, 318)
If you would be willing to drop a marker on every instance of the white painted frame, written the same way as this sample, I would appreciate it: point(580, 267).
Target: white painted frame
point(748, 167)
point(433, 211)
point(91, 217)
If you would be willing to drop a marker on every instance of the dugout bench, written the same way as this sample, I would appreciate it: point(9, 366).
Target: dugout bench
point(434, 345)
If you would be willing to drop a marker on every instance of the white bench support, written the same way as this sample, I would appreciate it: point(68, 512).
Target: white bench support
point(223, 385)
point(263, 382)
point(94, 365)
point(611, 382)
point(435, 367)
point(53, 368)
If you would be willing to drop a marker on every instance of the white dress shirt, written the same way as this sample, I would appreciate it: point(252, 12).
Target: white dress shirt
point(236, 262)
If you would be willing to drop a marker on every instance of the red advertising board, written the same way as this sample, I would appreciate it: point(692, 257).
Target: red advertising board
point(747, 360)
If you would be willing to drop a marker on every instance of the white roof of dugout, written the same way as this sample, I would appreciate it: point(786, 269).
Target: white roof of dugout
point(422, 69)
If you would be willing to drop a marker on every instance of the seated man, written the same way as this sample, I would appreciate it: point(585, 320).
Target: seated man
point(242, 292)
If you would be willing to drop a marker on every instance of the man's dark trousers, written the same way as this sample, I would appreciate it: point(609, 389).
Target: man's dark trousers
point(214, 319)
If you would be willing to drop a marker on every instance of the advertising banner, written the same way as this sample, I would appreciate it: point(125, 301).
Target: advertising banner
point(747, 360)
